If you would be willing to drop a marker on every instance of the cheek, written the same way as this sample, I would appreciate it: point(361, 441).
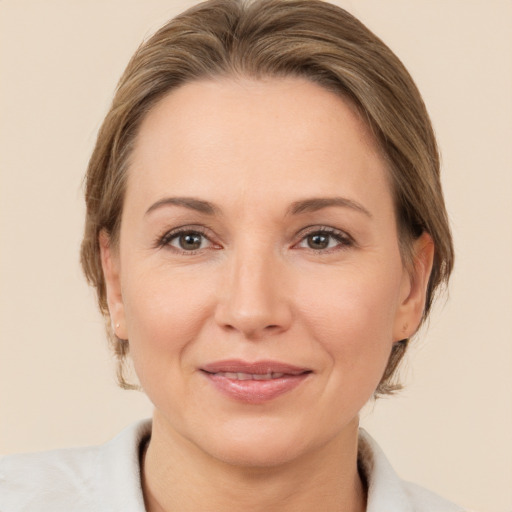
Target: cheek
point(352, 318)
point(163, 317)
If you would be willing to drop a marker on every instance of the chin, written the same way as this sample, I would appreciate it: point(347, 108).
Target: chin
point(264, 453)
point(260, 443)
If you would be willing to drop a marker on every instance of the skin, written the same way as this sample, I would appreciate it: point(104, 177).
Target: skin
point(259, 288)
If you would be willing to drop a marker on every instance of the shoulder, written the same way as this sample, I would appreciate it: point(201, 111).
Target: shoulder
point(103, 477)
point(387, 491)
point(424, 500)
point(50, 480)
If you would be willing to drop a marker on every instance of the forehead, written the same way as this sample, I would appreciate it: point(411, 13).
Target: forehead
point(252, 138)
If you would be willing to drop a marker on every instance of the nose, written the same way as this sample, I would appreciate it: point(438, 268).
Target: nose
point(254, 301)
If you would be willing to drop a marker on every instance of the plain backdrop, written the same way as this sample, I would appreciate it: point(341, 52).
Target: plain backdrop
point(450, 430)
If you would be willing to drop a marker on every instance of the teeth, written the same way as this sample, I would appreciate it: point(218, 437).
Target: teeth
point(266, 376)
point(250, 376)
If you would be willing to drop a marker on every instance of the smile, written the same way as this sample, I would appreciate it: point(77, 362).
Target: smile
point(254, 383)
point(250, 376)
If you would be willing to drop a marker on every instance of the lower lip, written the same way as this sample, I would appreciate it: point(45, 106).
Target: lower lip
point(255, 391)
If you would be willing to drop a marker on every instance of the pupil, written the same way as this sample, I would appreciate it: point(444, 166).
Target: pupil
point(190, 241)
point(318, 241)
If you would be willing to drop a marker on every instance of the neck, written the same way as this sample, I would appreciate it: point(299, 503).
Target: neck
point(178, 476)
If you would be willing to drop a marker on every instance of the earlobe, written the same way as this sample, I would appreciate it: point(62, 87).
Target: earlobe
point(111, 272)
point(413, 301)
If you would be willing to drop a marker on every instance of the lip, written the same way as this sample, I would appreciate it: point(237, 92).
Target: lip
point(284, 378)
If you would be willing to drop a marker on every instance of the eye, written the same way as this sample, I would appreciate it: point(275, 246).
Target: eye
point(186, 240)
point(190, 241)
point(320, 241)
point(325, 239)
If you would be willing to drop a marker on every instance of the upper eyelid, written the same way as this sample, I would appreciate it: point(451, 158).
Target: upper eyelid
point(193, 228)
point(169, 234)
point(324, 229)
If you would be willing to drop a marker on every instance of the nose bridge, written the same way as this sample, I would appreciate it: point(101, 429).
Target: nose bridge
point(252, 277)
point(254, 303)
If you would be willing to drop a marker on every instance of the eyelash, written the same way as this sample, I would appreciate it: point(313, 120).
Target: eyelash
point(169, 236)
point(343, 240)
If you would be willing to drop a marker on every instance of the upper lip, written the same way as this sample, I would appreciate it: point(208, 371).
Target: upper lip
point(254, 368)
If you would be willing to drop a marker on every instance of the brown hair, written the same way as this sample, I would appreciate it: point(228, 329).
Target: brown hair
point(273, 38)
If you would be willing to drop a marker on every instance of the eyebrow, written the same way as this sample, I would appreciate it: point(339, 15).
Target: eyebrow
point(317, 203)
point(187, 202)
point(303, 206)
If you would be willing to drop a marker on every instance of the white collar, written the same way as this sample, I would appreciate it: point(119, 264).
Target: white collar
point(119, 477)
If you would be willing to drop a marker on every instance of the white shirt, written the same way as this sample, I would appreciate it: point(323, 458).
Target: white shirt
point(107, 478)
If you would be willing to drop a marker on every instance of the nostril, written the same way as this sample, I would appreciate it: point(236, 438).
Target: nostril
point(252, 318)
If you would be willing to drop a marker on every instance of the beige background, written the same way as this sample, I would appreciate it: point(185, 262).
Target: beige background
point(450, 429)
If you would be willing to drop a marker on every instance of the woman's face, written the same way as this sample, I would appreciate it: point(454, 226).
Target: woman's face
point(258, 277)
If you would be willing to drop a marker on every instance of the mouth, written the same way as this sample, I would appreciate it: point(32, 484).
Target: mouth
point(250, 376)
point(254, 382)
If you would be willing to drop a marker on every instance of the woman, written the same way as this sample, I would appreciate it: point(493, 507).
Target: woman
point(265, 231)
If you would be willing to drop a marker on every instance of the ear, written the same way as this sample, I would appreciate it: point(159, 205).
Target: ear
point(111, 272)
point(414, 288)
